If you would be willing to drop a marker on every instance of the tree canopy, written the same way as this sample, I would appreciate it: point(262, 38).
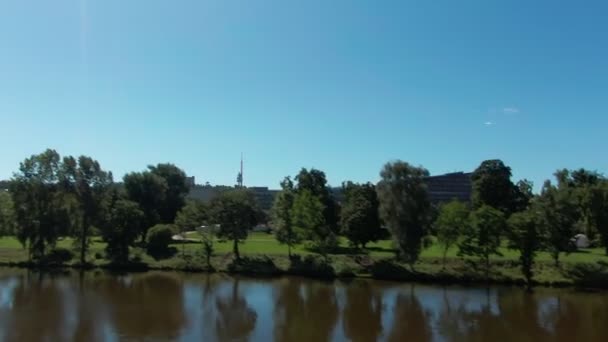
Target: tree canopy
point(405, 206)
point(360, 220)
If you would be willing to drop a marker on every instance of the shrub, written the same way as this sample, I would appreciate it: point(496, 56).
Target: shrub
point(311, 266)
point(254, 265)
point(59, 256)
point(158, 240)
point(428, 241)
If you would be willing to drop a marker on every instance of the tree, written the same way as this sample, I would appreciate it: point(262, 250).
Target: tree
point(360, 220)
point(192, 216)
point(451, 223)
point(523, 195)
point(596, 204)
point(176, 191)
point(149, 191)
point(559, 214)
point(405, 206)
point(7, 214)
point(526, 237)
point(122, 227)
point(236, 213)
point(285, 231)
point(89, 184)
point(40, 213)
point(207, 239)
point(307, 217)
point(492, 186)
point(315, 181)
point(482, 237)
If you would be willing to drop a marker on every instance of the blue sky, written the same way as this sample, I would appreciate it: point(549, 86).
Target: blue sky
point(343, 86)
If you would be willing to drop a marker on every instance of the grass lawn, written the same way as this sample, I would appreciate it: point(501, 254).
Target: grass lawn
point(264, 243)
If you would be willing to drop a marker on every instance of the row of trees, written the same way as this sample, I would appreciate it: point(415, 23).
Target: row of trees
point(51, 197)
point(499, 211)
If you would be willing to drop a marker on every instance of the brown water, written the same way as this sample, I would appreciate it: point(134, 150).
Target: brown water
point(184, 307)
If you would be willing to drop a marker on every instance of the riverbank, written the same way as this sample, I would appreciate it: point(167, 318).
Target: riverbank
point(262, 256)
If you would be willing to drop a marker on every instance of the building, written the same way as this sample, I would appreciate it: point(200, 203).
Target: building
point(450, 186)
point(190, 182)
point(263, 196)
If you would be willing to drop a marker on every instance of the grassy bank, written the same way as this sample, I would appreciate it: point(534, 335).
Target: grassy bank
point(263, 255)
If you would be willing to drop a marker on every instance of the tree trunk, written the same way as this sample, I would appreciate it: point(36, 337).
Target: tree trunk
point(445, 253)
point(289, 250)
point(83, 240)
point(235, 248)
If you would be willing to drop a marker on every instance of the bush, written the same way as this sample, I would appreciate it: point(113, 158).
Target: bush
point(428, 241)
point(254, 265)
point(159, 238)
point(59, 256)
point(311, 266)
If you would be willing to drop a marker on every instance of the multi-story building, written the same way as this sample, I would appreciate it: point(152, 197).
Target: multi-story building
point(450, 186)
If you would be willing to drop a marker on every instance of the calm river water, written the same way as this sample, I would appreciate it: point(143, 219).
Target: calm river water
point(98, 306)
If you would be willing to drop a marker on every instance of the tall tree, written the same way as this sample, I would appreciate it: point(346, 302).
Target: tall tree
point(526, 237)
point(7, 214)
point(89, 184)
point(405, 206)
point(492, 186)
point(559, 214)
point(39, 211)
point(121, 228)
point(307, 217)
point(176, 191)
point(451, 223)
point(315, 181)
point(482, 237)
point(285, 231)
point(236, 213)
point(596, 205)
point(360, 220)
point(523, 195)
point(149, 191)
point(191, 217)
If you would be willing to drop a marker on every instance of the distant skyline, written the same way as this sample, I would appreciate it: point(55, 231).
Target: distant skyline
point(343, 86)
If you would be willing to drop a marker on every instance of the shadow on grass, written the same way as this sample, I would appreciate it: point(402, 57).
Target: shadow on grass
point(347, 250)
point(162, 254)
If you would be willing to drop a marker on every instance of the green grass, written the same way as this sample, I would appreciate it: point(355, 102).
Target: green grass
point(429, 267)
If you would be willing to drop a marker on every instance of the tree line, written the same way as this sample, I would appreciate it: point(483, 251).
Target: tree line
point(50, 197)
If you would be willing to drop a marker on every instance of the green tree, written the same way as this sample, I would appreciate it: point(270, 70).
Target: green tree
point(307, 217)
point(7, 214)
point(596, 204)
point(482, 236)
point(176, 191)
point(149, 191)
point(315, 182)
point(523, 195)
point(360, 220)
point(284, 229)
point(236, 213)
point(122, 227)
point(451, 223)
point(559, 214)
point(207, 240)
point(405, 206)
point(192, 216)
point(40, 212)
point(526, 238)
point(492, 186)
point(84, 179)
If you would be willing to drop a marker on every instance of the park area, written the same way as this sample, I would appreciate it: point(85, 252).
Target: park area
point(263, 249)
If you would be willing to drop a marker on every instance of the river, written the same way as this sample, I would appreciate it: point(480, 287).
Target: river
point(166, 306)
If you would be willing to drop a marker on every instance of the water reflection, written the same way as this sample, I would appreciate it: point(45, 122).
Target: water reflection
point(167, 306)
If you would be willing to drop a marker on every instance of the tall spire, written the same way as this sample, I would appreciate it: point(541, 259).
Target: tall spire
point(239, 178)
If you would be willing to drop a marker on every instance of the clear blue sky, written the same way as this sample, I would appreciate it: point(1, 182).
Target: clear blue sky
point(340, 85)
